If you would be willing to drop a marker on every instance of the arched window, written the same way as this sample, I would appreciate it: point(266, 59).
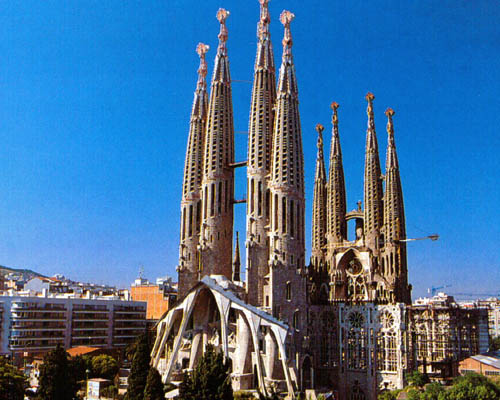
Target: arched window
point(288, 290)
point(296, 320)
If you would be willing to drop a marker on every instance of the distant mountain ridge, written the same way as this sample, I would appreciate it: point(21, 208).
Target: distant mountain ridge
point(26, 273)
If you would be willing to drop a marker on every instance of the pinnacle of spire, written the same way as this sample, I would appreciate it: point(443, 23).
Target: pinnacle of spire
point(221, 70)
point(369, 111)
point(320, 163)
point(200, 98)
point(287, 82)
point(265, 57)
point(201, 49)
point(392, 159)
point(222, 15)
point(335, 145)
point(236, 259)
point(263, 25)
point(286, 18)
point(336, 199)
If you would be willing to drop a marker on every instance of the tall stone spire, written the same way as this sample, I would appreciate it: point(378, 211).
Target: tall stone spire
point(373, 183)
point(191, 190)
point(218, 175)
point(394, 266)
point(319, 205)
point(287, 191)
point(336, 200)
point(237, 260)
point(259, 159)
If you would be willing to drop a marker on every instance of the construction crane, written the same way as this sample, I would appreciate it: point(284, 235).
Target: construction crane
point(433, 290)
point(433, 237)
point(477, 295)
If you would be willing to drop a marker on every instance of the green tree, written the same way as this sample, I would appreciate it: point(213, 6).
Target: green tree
point(495, 343)
point(434, 391)
point(417, 378)
point(473, 386)
point(12, 381)
point(78, 366)
point(210, 380)
point(388, 395)
point(56, 381)
point(139, 369)
point(104, 366)
point(154, 386)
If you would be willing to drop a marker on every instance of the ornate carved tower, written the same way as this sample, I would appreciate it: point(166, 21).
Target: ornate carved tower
point(286, 288)
point(259, 160)
point(373, 215)
point(319, 221)
point(218, 175)
point(191, 189)
point(336, 198)
point(393, 265)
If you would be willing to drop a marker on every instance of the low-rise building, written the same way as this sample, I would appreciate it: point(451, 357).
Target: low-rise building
point(443, 333)
point(159, 297)
point(33, 325)
point(487, 364)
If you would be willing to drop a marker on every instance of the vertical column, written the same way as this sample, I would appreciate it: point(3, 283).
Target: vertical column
point(218, 175)
point(259, 160)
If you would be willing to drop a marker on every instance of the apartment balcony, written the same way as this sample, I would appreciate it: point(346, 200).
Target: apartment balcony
point(89, 317)
point(126, 327)
point(36, 329)
point(33, 336)
point(90, 328)
point(89, 308)
point(32, 347)
point(36, 308)
point(89, 336)
point(93, 343)
point(129, 311)
point(39, 318)
point(90, 311)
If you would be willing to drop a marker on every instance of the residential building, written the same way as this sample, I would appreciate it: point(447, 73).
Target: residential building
point(33, 325)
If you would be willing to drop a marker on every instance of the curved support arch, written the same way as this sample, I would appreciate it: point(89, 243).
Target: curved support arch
point(224, 300)
point(187, 304)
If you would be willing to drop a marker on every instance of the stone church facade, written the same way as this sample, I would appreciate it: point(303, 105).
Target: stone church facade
point(343, 323)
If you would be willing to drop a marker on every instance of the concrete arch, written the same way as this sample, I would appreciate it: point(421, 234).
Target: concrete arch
point(195, 303)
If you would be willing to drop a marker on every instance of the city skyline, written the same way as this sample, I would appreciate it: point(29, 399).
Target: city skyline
point(92, 179)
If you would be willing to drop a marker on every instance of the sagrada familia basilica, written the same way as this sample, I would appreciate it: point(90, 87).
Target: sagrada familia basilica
point(342, 322)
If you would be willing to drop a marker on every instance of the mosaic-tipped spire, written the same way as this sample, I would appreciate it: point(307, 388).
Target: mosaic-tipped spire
point(373, 182)
point(336, 200)
point(236, 259)
point(394, 218)
point(394, 267)
point(200, 99)
point(287, 80)
point(191, 189)
point(260, 134)
point(287, 158)
point(265, 57)
point(221, 69)
point(286, 183)
point(218, 176)
point(319, 204)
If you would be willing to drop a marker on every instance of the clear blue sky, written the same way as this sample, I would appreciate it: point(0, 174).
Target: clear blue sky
point(95, 99)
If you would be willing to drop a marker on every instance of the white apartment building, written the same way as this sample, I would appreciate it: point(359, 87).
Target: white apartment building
point(33, 325)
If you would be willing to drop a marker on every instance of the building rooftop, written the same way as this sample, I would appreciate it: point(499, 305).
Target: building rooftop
point(491, 358)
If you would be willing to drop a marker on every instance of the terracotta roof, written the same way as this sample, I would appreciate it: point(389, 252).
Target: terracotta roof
point(81, 350)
